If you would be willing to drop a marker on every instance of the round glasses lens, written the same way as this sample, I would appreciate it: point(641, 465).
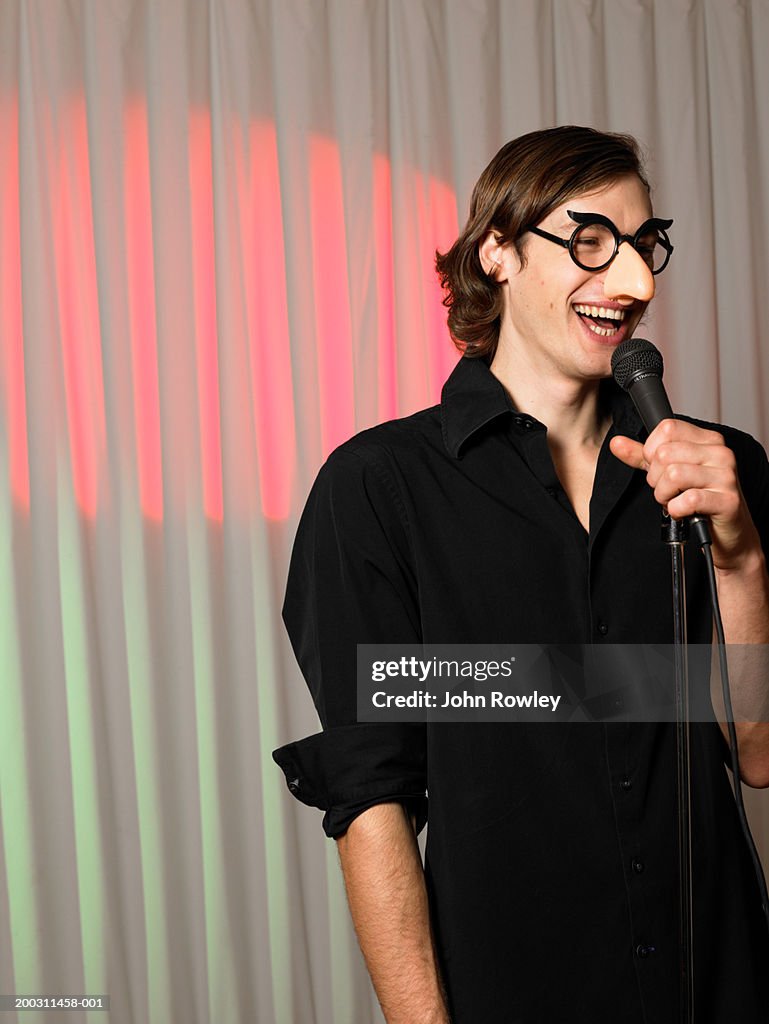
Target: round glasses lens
point(593, 245)
point(651, 250)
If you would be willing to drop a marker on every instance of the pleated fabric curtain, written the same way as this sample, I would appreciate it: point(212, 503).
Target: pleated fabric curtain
point(217, 229)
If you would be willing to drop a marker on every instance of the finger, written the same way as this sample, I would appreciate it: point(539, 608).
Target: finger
point(684, 453)
point(688, 451)
point(721, 507)
point(628, 451)
point(680, 430)
point(705, 480)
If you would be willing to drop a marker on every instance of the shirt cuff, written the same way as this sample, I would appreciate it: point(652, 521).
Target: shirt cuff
point(347, 769)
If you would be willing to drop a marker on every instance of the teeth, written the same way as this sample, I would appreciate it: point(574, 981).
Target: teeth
point(603, 331)
point(602, 311)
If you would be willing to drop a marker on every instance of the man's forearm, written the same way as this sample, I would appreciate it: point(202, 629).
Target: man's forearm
point(388, 902)
point(744, 600)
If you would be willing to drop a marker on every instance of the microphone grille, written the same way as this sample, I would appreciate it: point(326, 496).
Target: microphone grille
point(632, 356)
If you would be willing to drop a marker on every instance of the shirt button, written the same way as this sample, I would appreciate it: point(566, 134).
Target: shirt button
point(603, 629)
point(517, 420)
point(638, 866)
point(293, 785)
point(528, 424)
point(627, 784)
point(642, 951)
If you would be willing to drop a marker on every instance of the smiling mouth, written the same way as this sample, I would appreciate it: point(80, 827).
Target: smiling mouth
point(600, 320)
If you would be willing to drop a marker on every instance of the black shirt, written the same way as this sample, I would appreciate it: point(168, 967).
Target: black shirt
point(551, 852)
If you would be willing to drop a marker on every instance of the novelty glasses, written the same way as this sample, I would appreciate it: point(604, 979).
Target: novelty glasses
point(595, 241)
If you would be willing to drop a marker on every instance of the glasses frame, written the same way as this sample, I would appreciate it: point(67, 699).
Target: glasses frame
point(586, 219)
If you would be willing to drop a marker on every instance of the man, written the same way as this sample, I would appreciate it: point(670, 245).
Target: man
point(526, 509)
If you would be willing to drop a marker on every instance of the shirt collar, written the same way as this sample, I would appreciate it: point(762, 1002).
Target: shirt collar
point(473, 397)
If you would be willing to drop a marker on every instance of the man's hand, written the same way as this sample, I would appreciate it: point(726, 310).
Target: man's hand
point(691, 470)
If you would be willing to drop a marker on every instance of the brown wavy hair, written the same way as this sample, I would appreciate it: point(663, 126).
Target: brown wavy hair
point(527, 179)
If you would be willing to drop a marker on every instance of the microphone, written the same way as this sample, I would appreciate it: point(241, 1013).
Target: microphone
point(637, 366)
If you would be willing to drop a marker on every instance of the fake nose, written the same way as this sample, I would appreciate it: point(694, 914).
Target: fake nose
point(628, 277)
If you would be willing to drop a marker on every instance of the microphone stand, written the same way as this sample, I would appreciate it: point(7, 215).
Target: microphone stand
point(675, 533)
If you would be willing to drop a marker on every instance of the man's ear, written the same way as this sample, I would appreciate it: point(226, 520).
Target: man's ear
point(491, 253)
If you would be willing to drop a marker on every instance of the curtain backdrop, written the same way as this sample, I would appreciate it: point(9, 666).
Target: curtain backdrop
point(217, 228)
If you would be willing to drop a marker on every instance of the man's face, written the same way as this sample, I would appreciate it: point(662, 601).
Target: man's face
point(548, 301)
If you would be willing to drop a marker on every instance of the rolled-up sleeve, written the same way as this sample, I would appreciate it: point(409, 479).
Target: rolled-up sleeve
point(344, 771)
point(351, 581)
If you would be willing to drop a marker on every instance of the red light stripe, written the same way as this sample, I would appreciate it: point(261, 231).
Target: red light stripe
point(437, 229)
point(270, 350)
point(78, 304)
point(11, 324)
point(141, 302)
point(204, 277)
point(331, 292)
point(383, 255)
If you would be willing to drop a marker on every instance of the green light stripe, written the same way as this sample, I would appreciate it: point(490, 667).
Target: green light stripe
point(17, 835)
point(87, 825)
point(222, 983)
point(267, 672)
point(141, 679)
point(342, 978)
